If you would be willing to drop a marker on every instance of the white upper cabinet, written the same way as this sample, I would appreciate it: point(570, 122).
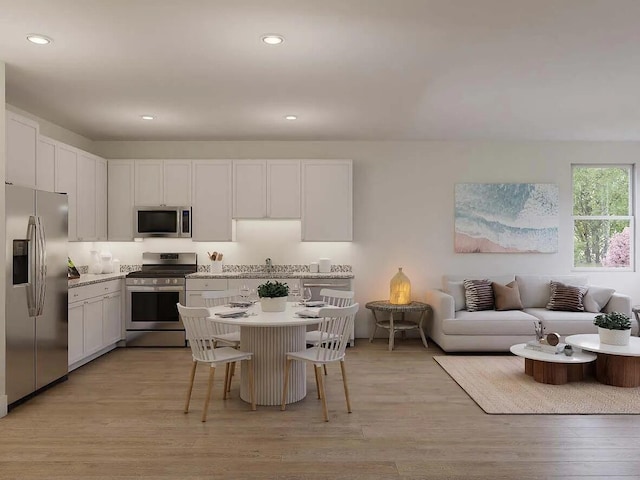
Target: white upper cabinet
point(101, 199)
point(327, 200)
point(22, 146)
point(162, 182)
point(46, 164)
point(86, 204)
point(212, 200)
point(283, 188)
point(266, 189)
point(249, 189)
point(120, 199)
point(66, 164)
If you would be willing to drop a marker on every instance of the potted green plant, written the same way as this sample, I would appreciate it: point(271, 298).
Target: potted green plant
point(614, 328)
point(273, 296)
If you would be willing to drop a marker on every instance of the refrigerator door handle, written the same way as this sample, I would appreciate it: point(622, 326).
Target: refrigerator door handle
point(41, 284)
point(33, 267)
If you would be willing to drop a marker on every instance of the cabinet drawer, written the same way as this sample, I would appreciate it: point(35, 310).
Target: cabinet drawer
point(79, 294)
point(207, 284)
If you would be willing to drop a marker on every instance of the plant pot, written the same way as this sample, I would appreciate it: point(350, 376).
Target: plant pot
point(273, 304)
point(614, 337)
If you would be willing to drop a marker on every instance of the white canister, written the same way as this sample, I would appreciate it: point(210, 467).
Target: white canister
point(313, 267)
point(95, 264)
point(116, 265)
point(324, 265)
point(216, 266)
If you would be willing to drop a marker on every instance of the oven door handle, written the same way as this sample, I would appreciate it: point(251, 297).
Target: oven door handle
point(155, 289)
point(326, 285)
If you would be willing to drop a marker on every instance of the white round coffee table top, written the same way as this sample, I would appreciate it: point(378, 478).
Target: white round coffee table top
point(577, 357)
point(592, 343)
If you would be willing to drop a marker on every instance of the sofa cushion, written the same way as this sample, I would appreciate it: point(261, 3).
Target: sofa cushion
point(564, 323)
point(490, 322)
point(596, 298)
point(456, 290)
point(566, 298)
point(535, 290)
point(506, 297)
point(478, 295)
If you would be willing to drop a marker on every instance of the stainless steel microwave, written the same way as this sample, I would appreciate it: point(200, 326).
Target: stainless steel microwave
point(162, 221)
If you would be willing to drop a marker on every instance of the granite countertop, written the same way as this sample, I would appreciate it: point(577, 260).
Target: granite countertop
point(89, 278)
point(271, 275)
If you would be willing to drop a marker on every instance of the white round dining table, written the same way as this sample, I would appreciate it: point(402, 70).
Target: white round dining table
point(269, 336)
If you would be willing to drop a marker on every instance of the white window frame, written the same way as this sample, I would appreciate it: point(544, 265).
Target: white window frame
point(630, 218)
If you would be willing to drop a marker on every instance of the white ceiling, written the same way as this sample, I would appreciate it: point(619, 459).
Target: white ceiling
point(350, 69)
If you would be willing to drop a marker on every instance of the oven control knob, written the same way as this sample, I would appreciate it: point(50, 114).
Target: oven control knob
point(155, 281)
point(175, 281)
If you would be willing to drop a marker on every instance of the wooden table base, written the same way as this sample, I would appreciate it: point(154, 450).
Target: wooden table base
point(618, 370)
point(557, 373)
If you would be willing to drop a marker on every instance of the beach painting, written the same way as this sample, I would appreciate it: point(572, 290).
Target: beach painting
point(506, 218)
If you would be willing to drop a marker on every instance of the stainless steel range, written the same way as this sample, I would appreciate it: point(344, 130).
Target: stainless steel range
point(152, 318)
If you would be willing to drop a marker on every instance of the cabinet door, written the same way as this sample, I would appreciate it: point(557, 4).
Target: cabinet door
point(112, 326)
point(249, 189)
point(148, 183)
point(120, 199)
point(283, 188)
point(76, 332)
point(327, 201)
point(93, 318)
point(46, 164)
point(101, 199)
point(21, 150)
point(177, 182)
point(212, 200)
point(86, 188)
point(194, 299)
point(66, 161)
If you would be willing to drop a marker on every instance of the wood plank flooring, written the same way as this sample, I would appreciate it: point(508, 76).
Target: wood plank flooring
point(121, 417)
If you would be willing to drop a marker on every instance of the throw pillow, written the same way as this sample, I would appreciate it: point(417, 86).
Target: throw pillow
point(478, 294)
point(566, 297)
point(596, 298)
point(506, 297)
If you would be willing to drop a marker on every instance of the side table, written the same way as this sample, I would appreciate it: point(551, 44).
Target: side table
point(397, 324)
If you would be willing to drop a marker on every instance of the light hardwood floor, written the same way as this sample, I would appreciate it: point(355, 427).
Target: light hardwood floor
point(121, 417)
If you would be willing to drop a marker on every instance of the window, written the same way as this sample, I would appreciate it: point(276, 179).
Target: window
point(603, 227)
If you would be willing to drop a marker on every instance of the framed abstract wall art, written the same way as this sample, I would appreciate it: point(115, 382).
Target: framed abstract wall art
point(506, 218)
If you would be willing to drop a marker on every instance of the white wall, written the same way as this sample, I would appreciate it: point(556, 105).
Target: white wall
point(3, 387)
point(403, 207)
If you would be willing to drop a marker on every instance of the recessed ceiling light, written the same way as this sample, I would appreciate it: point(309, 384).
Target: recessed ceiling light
point(147, 117)
point(291, 117)
point(39, 39)
point(272, 39)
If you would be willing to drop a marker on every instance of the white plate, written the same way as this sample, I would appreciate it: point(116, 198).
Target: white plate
point(236, 312)
point(308, 313)
point(315, 303)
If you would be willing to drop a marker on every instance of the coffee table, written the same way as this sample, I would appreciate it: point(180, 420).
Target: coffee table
point(554, 369)
point(616, 365)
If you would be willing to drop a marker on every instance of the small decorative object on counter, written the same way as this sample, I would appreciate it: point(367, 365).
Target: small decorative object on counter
point(313, 267)
point(324, 265)
point(95, 264)
point(614, 328)
point(273, 296)
point(216, 262)
point(400, 289)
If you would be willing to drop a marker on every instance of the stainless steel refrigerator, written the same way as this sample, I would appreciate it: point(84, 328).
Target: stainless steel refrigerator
point(36, 300)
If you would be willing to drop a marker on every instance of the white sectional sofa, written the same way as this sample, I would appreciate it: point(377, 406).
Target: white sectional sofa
point(455, 329)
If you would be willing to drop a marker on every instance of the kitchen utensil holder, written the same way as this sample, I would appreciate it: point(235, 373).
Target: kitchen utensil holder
point(216, 266)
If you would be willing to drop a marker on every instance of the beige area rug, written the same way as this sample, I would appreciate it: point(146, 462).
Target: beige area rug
point(499, 385)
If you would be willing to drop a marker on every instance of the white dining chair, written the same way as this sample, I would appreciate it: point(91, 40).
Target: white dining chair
point(335, 298)
point(228, 335)
point(335, 329)
point(199, 330)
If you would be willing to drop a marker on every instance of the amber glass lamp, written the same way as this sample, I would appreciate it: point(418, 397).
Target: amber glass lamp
point(400, 289)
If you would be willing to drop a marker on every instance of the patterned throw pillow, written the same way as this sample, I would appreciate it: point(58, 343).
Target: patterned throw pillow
point(566, 297)
point(478, 294)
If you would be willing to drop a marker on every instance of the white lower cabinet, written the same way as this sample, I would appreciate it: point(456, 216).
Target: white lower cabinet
point(95, 321)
